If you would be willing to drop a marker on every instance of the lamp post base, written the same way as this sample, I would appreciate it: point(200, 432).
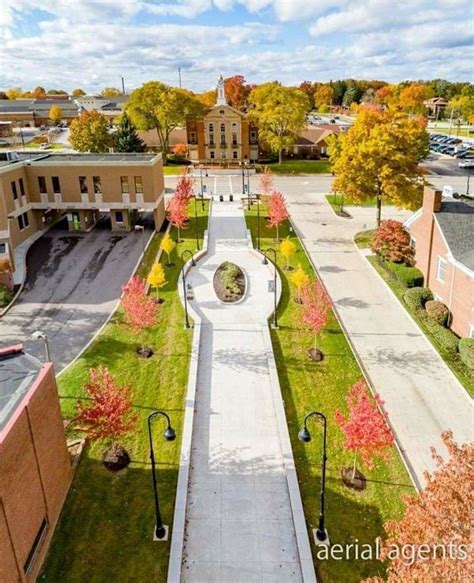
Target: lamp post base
point(164, 538)
point(318, 542)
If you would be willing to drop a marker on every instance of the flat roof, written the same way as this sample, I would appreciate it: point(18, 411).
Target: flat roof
point(18, 371)
point(115, 157)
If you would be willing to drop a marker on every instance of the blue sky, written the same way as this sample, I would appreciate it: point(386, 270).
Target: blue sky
point(92, 43)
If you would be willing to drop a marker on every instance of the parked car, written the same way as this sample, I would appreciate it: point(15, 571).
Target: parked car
point(44, 146)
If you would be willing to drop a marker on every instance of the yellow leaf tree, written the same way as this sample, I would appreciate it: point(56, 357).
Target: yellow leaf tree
point(287, 249)
point(156, 278)
point(379, 158)
point(299, 278)
point(167, 245)
point(55, 114)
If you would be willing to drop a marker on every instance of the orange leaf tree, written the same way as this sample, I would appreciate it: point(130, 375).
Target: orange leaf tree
point(437, 524)
point(140, 310)
point(178, 212)
point(392, 242)
point(265, 181)
point(277, 211)
point(316, 305)
point(180, 150)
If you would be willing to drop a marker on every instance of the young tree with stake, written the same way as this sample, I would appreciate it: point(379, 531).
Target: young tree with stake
point(140, 310)
point(287, 249)
point(277, 211)
point(299, 278)
point(178, 212)
point(157, 279)
point(167, 245)
point(316, 306)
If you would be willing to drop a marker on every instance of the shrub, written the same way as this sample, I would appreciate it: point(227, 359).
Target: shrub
point(392, 243)
point(416, 297)
point(407, 276)
point(6, 296)
point(466, 351)
point(438, 311)
point(446, 338)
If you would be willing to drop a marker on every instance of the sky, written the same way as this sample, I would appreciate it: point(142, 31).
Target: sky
point(93, 43)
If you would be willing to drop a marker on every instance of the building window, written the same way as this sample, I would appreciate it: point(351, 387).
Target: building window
point(3, 249)
point(253, 137)
point(213, 154)
point(442, 268)
point(57, 185)
point(118, 216)
point(22, 187)
point(192, 137)
point(124, 184)
point(223, 155)
point(471, 331)
point(42, 184)
point(97, 185)
point(235, 154)
point(83, 184)
point(138, 185)
point(36, 545)
point(23, 221)
point(211, 127)
point(14, 190)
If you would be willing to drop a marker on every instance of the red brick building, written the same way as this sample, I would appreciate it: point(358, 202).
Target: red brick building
point(35, 469)
point(442, 233)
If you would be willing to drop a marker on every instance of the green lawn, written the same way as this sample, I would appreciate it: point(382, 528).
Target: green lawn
point(335, 200)
point(36, 145)
point(172, 170)
point(463, 132)
point(309, 386)
point(301, 167)
point(464, 375)
point(107, 522)
point(363, 239)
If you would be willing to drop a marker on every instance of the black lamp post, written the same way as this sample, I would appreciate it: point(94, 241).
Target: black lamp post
point(265, 262)
point(169, 435)
point(196, 223)
point(243, 178)
point(305, 436)
point(184, 284)
point(202, 188)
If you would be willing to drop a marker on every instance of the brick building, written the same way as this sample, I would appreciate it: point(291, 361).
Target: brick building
point(35, 468)
point(36, 190)
point(442, 232)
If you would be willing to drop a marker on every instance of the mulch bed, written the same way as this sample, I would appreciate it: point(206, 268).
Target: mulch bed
point(116, 458)
point(229, 282)
point(359, 482)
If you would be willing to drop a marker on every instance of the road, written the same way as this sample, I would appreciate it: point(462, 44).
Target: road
point(73, 283)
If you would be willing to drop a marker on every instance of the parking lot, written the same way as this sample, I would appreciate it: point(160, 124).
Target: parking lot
point(73, 283)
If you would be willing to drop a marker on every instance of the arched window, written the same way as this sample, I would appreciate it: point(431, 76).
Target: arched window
point(222, 127)
point(211, 127)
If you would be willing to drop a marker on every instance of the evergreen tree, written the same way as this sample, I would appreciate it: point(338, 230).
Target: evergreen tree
point(127, 136)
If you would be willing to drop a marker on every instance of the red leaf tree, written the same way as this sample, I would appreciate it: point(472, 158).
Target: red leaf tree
point(184, 187)
point(265, 181)
point(140, 310)
point(365, 427)
point(315, 308)
point(437, 524)
point(277, 211)
point(180, 150)
point(392, 242)
point(109, 412)
point(178, 212)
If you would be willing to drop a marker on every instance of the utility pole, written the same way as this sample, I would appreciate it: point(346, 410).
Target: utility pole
point(123, 86)
point(179, 75)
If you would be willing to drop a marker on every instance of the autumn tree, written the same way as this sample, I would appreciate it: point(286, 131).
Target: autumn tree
point(180, 150)
point(55, 114)
point(392, 242)
point(307, 88)
point(412, 97)
point(184, 187)
point(323, 96)
point(265, 181)
point(300, 279)
point(157, 278)
point(140, 310)
point(110, 92)
point(90, 132)
point(463, 105)
point(156, 106)
point(14, 93)
point(385, 95)
point(127, 138)
point(208, 98)
point(437, 524)
point(379, 158)
point(178, 212)
point(167, 245)
point(365, 429)
point(39, 92)
point(237, 92)
point(280, 113)
point(107, 414)
point(287, 249)
point(316, 306)
point(78, 92)
point(277, 211)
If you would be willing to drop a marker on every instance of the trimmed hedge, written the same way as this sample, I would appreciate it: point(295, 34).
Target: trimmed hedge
point(438, 311)
point(466, 352)
point(407, 276)
point(416, 298)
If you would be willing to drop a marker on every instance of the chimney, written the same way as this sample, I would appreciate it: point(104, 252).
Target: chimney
point(432, 200)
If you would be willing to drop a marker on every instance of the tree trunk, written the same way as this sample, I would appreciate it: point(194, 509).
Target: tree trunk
point(280, 156)
point(379, 210)
point(278, 236)
point(354, 466)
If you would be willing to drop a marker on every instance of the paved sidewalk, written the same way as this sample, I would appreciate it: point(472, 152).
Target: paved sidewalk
point(421, 395)
point(239, 518)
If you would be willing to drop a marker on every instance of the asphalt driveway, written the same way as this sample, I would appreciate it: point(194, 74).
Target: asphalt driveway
point(73, 283)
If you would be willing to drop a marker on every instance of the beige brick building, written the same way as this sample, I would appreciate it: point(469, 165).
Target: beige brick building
point(36, 190)
point(442, 233)
point(35, 468)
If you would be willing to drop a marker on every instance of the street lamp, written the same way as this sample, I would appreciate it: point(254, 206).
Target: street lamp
point(169, 435)
point(196, 223)
point(193, 263)
point(265, 262)
point(305, 436)
point(202, 188)
point(142, 229)
point(38, 335)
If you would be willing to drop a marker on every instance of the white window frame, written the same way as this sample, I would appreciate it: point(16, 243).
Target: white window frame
point(442, 262)
point(471, 331)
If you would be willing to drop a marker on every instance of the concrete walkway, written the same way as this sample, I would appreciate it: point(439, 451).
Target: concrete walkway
point(422, 396)
point(240, 514)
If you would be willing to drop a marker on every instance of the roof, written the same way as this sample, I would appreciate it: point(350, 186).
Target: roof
point(38, 106)
point(114, 157)
point(18, 371)
point(314, 135)
point(456, 221)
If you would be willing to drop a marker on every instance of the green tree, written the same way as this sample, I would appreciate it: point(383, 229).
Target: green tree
point(157, 106)
point(56, 92)
point(55, 114)
point(280, 113)
point(339, 89)
point(463, 105)
point(90, 132)
point(78, 92)
point(379, 158)
point(110, 92)
point(127, 138)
